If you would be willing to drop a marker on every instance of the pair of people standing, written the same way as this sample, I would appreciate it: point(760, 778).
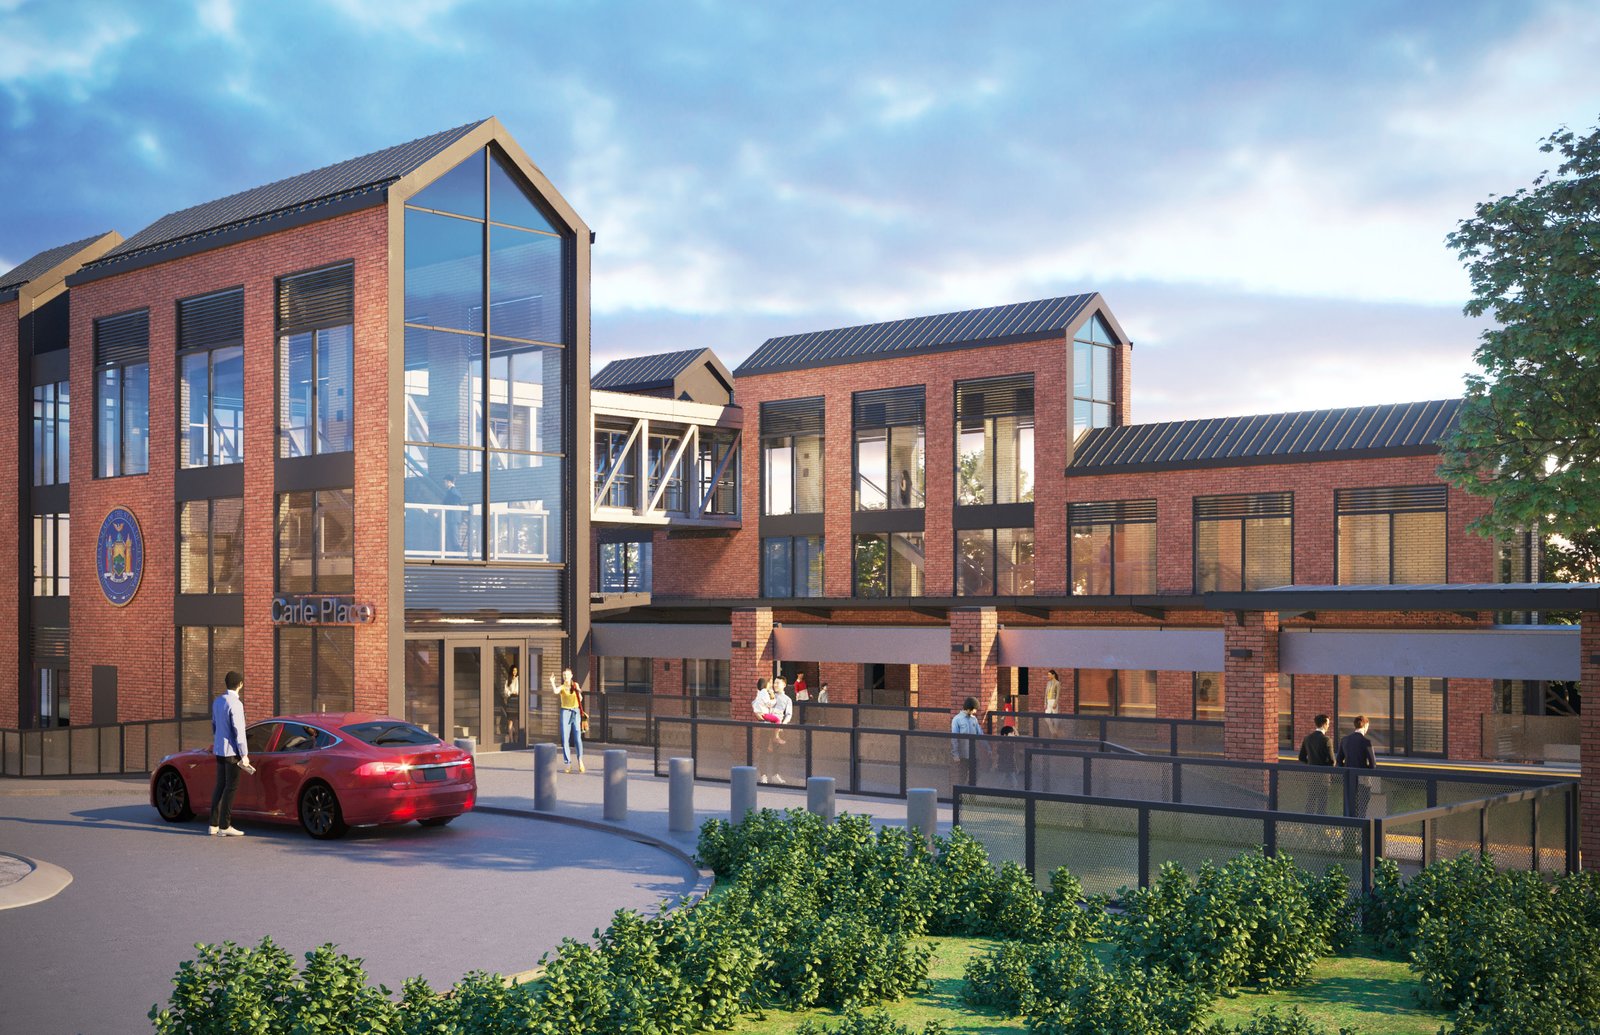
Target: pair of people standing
point(1354, 752)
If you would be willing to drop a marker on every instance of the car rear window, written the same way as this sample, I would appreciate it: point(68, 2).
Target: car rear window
point(385, 734)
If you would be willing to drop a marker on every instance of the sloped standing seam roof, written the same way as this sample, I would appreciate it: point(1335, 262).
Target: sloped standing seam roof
point(323, 186)
point(642, 372)
point(1397, 429)
point(43, 263)
point(970, 328)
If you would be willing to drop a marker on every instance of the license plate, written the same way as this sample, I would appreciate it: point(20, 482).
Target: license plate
point(435, 775)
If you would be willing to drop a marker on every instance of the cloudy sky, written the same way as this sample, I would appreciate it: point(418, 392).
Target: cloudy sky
point(1260, 190)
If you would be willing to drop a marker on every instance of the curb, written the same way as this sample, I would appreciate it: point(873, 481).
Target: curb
point(46, 881)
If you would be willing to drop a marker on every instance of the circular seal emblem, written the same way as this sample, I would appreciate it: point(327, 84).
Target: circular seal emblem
point(119, 556)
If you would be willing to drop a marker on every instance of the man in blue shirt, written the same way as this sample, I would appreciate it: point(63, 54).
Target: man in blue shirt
point(232, 752)
point(965, 724)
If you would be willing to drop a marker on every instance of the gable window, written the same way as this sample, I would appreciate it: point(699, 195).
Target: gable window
point(1243, 542)
point(890, 441)
point(211, 379)
point(1094, 357)
point(316, 361)
point(1112, 547)
point(122, 394)
point(52, 439)
point(994, 440)
point(1393, 534)
point(791, 456)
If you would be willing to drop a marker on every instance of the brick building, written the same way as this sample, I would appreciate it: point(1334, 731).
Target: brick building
point(324, 435)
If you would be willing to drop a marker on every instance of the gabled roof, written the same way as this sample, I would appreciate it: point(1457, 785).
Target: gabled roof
point(644, 373)
point(1020, 321)
point(1399, 429)
point(344, 181)
point(41, 264)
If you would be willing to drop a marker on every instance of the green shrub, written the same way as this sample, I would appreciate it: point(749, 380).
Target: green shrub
point(1067, 915)
point(1254, 921)
point(965, 885)
point(1393, 911)
point(1121, 1001)
point(857, 1023)
point(1023, 977)
point(1271, 1022)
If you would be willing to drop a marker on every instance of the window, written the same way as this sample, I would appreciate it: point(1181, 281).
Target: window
point(316, 670)
point(1112, 547)
point(659, 452)
point(625, 567)
point(316, 541)
point(1094, 356)
point(52, 555)
point(206, 654)
point(994, 440)
point(625, 675)
point(211, 379)
point(889, 564)
point(122, 394)
point(316, 361)
point(1243, 542)
point(994, 562)
point(705, 677)
point(211, 546)
point(1110, 692)
point(1391, 535)
point(486, 325)
point(791, 456)
point(300, 737)
point(889, 447)
point(425, 683)
point(791, 566)
point(53, 690)
point(1210, 694)
point(52, 441)
point(1409, 715)
point(611, 462)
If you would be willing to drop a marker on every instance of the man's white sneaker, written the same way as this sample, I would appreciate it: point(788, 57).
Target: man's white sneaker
point(777, 778)
point(214, 831)
point(763, 779)
point(232, 832)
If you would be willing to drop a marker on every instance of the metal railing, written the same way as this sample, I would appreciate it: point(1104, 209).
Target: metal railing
point(867, 761)
point(1147, 735)
point(628, 717)
point(129, 747)
point(871, 716)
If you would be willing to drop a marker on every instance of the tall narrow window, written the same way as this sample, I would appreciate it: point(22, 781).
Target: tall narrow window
point(316, 670)
point(316, 361)
point(211, 546)
point(791, 566)
point(206, 654)
point(1094, 354)
point(52, 439)
point(211, 385)
point(717, 461)
point(316, 542)
point(890, 441)
point(122, 394)
point(52, 555)
point(1243, 542)
point(791, 456)
point(1394, 534)
point(994, 440)
point(1112, 547)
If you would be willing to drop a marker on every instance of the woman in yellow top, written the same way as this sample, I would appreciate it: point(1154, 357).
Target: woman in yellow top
point(569, 695)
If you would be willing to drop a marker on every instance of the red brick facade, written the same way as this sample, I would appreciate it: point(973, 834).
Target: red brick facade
point(12, 435)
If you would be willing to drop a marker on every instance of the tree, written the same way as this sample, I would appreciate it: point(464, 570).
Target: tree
point(1529, 432)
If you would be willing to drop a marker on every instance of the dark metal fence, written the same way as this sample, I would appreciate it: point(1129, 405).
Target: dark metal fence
point(626, 717)
point(129, 747)
point(1193, 738)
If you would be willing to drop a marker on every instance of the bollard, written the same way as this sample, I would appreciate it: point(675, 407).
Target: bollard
point(922, 812)
point(819, 797)
point(680, 795)
point(742, 795)
point(544, 776)
point(616, 807)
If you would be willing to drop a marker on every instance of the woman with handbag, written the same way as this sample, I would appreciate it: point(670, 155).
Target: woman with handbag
point(569, 695)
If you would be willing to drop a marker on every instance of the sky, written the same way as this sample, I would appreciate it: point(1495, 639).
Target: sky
point(1260, 190)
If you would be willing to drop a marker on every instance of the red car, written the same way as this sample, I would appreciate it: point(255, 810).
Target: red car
point(329, 772)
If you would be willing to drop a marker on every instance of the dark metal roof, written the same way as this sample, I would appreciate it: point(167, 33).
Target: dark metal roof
point(43, 263)
point(1454, 596)
point(1019, 321)
point(319, 187)
point(1395, 430)
point(643, 373)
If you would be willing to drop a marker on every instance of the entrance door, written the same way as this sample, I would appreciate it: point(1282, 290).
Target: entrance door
point(488, 689)
point(509, 686)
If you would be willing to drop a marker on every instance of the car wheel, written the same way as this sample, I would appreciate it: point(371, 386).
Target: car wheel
point(436, 821)
point(320, 813)
point(172, 797)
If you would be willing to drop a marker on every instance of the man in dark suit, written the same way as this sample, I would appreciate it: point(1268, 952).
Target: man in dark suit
point(1317, 748)
point(1355, 752)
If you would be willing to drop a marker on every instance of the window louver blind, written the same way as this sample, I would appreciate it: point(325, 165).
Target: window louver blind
point(1113, 512)
point(792, 417)
point(211, 321)
point(318, 298)
point(995, 396)
point(1263, 505)
point(890, 407)
point(123, 339)
point(1389, 499)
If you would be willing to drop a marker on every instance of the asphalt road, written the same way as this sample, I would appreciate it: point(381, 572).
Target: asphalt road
point(487, 892)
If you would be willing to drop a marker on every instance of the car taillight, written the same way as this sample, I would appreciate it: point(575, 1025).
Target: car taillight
point(382, 769)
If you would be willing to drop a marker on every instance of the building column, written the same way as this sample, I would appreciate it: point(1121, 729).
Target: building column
point(1250, 705)
point(974, 657)
point(751, 658)
point(1589, 740)
point(843, 679)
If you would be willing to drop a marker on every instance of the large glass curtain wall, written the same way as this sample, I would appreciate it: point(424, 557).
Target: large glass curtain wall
point(487, 328)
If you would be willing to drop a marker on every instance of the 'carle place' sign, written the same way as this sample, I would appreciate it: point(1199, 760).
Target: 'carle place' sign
point(293, 610)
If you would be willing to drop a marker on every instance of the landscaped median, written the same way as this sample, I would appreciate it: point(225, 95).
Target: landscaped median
point(839, 927)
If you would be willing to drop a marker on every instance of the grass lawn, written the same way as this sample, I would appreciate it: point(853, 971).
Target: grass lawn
point(1375, 997)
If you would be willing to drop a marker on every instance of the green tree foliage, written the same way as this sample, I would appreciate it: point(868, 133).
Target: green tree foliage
point(1529, 437)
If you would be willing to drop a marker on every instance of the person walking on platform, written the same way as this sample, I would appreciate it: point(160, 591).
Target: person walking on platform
point(1317, 748)
point(1355, 752)
point(963, 726)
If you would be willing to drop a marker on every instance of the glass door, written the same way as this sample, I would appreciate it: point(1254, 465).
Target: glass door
point(466, 680)
point(507, 696)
